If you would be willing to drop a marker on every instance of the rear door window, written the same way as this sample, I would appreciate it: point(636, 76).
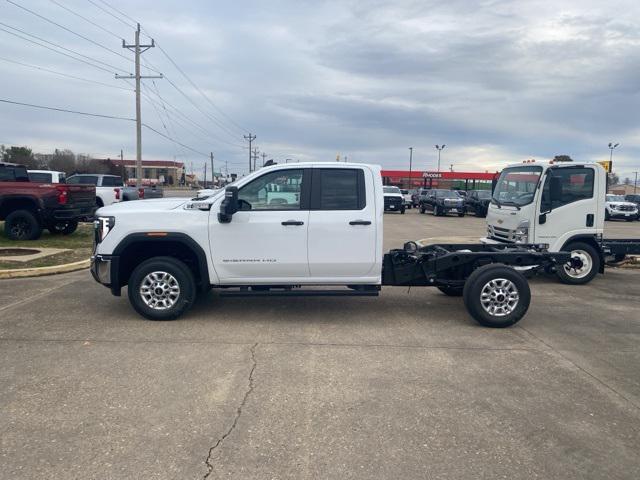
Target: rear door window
point(338, 189)
point(40, 177)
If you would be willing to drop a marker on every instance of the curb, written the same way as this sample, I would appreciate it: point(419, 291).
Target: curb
point(41, 271)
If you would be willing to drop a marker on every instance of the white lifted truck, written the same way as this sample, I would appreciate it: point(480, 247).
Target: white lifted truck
point(561, 205)
point(287, 230)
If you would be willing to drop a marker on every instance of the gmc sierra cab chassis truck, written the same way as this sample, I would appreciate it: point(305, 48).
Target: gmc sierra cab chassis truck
point(287, 230)
point(562, 205)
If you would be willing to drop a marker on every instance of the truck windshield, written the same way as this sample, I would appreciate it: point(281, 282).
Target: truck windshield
point(391, 190)
point(517, 185)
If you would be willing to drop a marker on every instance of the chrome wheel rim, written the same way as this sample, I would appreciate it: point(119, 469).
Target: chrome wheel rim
point(499, 297)
point(159, 290)
point(580, 264)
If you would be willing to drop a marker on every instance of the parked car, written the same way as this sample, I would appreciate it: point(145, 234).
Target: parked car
point(441, 202)
point(477, 201)
point(109, 188)
point(634, 199)
point(415, 197)
point(407, 198)
point(462, 193)
point(617, 207)
point(149, 192)
point(46, 176)
point(393, 200)
point(29, 207)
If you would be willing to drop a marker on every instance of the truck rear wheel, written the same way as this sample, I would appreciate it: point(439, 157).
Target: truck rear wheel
point(161, 288)
point(22, 225)
point(583, 265)
point(496, 296)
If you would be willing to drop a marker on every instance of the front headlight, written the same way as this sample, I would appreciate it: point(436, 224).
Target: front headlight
point(102, 226)
point(522, 232)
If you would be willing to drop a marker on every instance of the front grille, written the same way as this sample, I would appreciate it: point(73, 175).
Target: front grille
point(388, 201)
point(626, 208)
point(503, 234)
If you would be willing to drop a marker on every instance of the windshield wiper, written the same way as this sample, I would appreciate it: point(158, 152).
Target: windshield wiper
point(497, 202)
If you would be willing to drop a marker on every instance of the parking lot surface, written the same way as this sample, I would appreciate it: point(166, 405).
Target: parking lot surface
point(402, 386)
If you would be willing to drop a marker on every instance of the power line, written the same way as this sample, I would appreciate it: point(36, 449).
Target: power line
point(190, 120)
point(109, 13)
point(175, 141)
point(63, 74)
point(44, 107)
point(86, 19)
point(60, 47)
point(70, 31)
point(244, 130)
point(116, 10)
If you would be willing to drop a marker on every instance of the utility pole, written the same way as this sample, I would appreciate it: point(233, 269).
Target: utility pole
point(254, 157)
point(439, 148)
point(635, 183)
point(138, 49)
point(204, 182)
point(213, 177)
point(250, 138)
point(264, 155)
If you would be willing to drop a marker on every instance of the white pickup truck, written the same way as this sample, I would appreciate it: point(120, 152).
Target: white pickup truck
point(109, 188)
point(562, 205)
point(287, 230)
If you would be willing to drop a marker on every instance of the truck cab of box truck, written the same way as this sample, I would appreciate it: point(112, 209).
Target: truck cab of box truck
point(560, 204)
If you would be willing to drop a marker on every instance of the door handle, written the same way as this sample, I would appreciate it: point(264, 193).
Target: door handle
point(359, 222)
point(293, 222)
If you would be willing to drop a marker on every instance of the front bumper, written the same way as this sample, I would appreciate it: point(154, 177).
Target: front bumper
point(623, 213)
point(104, 270)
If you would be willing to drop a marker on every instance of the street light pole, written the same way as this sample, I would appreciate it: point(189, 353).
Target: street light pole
point(635, 183)
point(612, 146)
point(439, 148)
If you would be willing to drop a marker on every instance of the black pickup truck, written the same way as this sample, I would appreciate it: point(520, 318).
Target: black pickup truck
point(28, 207)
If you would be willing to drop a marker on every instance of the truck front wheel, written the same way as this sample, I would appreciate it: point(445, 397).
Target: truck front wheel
point(583, 265)
point(496, 295)
point(161, 288)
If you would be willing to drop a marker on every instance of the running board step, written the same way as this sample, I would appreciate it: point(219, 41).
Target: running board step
point(301, 293)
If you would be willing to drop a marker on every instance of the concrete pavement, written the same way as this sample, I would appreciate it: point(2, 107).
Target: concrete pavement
point(401, 386)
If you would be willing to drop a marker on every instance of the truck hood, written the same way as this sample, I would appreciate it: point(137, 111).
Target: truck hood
point(142, 206)
point(394, 195)
point(507, 217)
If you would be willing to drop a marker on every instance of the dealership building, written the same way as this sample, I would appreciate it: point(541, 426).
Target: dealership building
point(447, 180)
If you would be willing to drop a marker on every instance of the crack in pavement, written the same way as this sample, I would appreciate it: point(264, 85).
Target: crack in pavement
point(238, 413)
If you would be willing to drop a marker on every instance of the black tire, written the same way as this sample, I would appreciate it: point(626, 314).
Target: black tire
point(402, 210)
point(436, 210)
point(64, 228)
point(606, 215)
point(99, 202)
point(582, 251)
point(477, 212)
point(497, 280)
point(422, 209)
point(22, 225)
point(451, 291)
point(180, 275)
point(461, 214)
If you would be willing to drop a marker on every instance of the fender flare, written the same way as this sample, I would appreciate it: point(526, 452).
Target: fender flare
point(174, 237)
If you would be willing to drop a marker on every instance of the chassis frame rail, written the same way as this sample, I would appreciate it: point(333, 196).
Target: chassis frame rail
point(451, 264)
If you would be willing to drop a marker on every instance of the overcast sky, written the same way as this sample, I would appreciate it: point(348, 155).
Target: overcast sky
point(496, 81)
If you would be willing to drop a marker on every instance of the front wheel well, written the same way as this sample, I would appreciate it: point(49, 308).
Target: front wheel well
point(136, 252)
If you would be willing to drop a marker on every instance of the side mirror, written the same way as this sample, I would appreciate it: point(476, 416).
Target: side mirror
point(229, 205)
point(555, 189)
